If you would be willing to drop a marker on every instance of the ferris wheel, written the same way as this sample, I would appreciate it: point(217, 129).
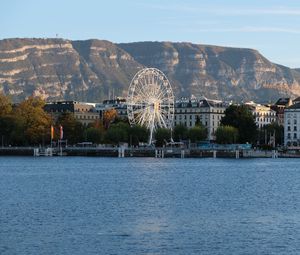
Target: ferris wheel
point(150, 101)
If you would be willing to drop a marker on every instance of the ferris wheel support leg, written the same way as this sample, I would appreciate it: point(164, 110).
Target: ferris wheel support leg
point(151, 136)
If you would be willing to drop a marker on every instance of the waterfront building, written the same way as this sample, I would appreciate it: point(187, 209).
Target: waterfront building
point(279, 107)
point(263, 114)
point(119, 104)
point(83, 112)
point(292, 125)
point(205, 111)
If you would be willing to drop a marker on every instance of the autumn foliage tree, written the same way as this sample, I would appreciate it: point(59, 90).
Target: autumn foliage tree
point(6, 119)
point(33, 121)
point(108, 117)
point(5, 105)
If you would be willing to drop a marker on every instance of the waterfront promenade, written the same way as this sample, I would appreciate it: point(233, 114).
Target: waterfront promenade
point(161, 152)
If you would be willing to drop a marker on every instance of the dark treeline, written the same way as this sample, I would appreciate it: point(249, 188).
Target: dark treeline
point(238, 126)
point(27, 124)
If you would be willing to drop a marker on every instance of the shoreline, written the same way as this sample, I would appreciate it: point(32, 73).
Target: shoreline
point(165, 152)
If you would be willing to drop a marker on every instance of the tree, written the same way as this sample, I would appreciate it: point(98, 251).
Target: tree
point(11, 131)
point(269, 130)
point(138, 134)
point(240, 117)
point(180, 133)
point(96, 124)
point(108, 117)
point(198, 122)
point(162, 135)
point(6, 119)
point(33, 121)
point(117, 133)
point(197, 133)
point(73, 130)
point(226, 135)
point(5, 105)
point(93, 135)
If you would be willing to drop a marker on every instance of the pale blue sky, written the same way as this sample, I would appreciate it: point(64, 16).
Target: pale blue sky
point(270, 26)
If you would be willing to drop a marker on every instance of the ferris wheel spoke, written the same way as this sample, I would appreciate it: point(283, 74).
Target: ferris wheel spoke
point(164, 112)
point(162, 121)
point(140, 118)
point(161, 94)
point(140, 92)
point(141, 86)
point(143, 116)
point(138, 103)
point(139, 111)
point(164, 116)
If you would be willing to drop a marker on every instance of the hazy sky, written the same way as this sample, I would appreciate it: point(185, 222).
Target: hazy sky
point(270, 26)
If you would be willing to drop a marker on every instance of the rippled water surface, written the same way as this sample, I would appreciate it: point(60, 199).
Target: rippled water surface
point(81, 205)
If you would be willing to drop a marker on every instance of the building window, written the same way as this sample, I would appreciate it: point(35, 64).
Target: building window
point(289, 136)
point(295, 128)
point(295, 121)
point(289, 128)
point(295, 135)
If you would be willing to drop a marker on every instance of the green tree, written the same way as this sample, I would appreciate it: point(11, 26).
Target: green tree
point(180, 133)
point(137, 134)
point(240, 117)
point(117, 133)
point(198, 122)
point(197, 133)
point(226, 135)
point(94, 135)
point(162, 135)
point(11, 131)
point(33, 121)
point(269, 130)
point(73, 130)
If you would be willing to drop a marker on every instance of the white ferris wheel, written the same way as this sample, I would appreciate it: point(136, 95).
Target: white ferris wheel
point(150, 101)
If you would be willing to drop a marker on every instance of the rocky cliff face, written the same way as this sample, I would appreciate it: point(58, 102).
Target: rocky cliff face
point(90, 70)
point(217, 72)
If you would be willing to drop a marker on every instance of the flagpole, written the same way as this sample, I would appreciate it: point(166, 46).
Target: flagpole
point(51, 135)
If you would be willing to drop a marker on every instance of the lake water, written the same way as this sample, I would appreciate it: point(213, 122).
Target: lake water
point(82, 205)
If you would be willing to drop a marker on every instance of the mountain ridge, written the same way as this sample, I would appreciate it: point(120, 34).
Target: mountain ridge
point(89, 70)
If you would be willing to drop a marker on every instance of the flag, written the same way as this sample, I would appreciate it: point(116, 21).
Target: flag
point(52, 132)
point(61, 132)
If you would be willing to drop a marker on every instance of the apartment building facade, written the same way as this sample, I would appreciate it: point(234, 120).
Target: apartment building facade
point(208, 112)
